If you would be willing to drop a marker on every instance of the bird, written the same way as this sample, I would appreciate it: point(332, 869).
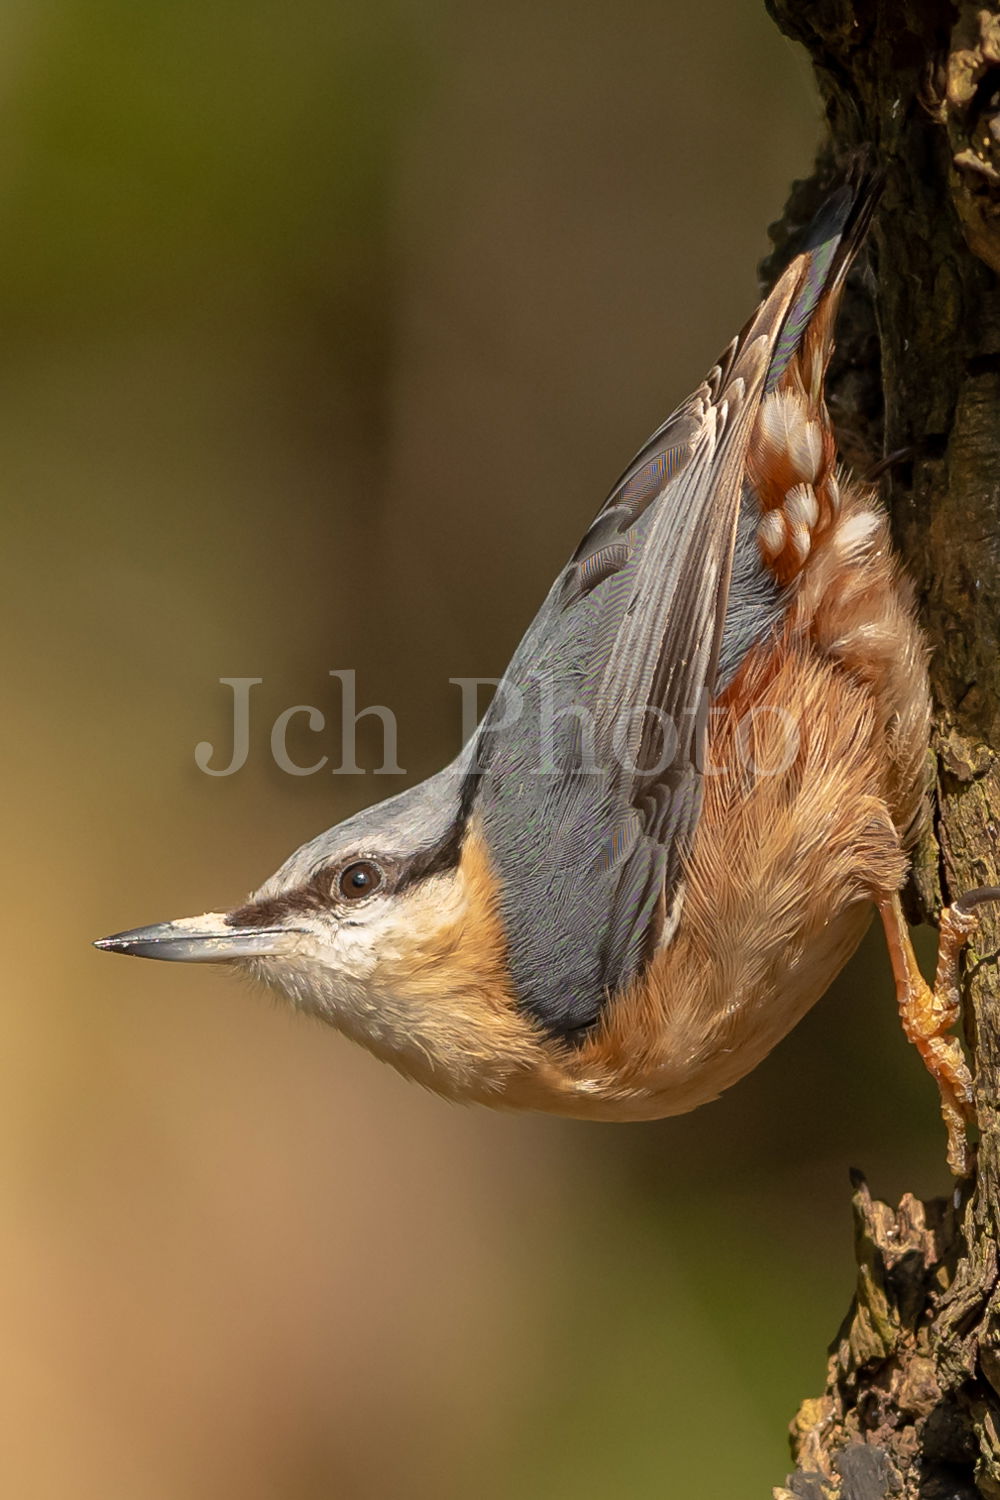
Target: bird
point(702, 773)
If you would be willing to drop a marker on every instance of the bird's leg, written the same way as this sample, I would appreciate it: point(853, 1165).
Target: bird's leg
point(929, 1014)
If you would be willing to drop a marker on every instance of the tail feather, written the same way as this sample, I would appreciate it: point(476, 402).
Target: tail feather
point(791, 459)
point(830, 245)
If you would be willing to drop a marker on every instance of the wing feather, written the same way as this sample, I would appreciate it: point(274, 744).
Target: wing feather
point(589, 800)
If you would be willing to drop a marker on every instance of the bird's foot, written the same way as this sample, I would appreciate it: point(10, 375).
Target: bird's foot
point(928, 1014)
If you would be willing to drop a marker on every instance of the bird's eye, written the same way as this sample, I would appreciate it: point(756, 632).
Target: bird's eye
point(359, 879)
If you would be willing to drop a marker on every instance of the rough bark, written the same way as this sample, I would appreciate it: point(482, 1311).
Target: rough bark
point(912, 1405)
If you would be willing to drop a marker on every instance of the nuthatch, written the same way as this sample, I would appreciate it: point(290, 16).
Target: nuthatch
point(704, 765)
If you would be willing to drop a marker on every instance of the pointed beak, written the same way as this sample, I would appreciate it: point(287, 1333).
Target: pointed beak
point(201, 940)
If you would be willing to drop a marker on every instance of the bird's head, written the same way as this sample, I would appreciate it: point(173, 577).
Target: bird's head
point(386, 927)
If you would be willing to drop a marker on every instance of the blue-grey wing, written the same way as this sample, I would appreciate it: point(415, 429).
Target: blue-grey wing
point(588, 787)
point(589, 792)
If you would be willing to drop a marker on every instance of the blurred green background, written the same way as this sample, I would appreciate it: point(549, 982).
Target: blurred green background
point(323, 331)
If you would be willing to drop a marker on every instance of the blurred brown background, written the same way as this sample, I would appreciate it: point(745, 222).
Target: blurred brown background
point(323, 330)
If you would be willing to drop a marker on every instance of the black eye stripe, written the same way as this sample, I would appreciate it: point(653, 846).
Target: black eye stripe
point(321, 889)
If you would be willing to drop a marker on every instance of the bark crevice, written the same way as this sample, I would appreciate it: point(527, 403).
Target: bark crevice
point(912, 1403)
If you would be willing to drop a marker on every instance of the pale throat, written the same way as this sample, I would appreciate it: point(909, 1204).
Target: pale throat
point(421, 981)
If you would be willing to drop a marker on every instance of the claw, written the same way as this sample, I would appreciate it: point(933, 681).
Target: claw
point(928, 1015)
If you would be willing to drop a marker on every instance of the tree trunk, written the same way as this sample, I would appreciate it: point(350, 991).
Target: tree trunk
point(912, 1405)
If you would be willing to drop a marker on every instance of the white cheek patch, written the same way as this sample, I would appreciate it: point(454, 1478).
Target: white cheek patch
point(372, 973)
point(337, 964)
point(352, 947)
